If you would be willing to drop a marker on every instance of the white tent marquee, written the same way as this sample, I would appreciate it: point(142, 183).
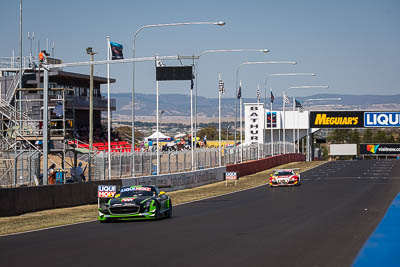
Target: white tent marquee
point(162, 137)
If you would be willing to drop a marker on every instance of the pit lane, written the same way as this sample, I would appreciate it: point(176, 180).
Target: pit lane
point(324, 222)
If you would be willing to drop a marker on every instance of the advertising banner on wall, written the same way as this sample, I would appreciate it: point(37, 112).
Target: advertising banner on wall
point(380, 149)
point(254, 123)
point(271, 119)
point(336, 119)
point(382, 119)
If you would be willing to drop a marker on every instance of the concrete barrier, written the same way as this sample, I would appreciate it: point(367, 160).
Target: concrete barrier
point(250, 167)
point(20, 200)
point(181, 180)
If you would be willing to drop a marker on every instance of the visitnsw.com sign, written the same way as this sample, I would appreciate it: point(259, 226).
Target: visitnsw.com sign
point(380, 149)
point(354, 119)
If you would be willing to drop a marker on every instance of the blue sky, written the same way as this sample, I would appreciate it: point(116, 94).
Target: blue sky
point(352, 45)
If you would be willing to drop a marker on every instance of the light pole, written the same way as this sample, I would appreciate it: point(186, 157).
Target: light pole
point(31, 38)
point(227, 132)
point(221, 90)
point(237, 81)
point(90, 52)
point(321, 100)
point(217, 51)
point(218, 23)
point(284, 116)
point(265, 97)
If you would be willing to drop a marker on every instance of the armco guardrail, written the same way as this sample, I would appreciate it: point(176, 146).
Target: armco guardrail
point(16, 201)
point(254, 166)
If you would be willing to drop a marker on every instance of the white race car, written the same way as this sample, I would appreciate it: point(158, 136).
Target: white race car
point(285, 177)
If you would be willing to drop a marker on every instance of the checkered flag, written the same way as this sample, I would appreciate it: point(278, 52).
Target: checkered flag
point(287, 100)
point(221, 85)
point(299, 105)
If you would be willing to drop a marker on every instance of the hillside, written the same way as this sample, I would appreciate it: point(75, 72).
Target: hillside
point(179, 104)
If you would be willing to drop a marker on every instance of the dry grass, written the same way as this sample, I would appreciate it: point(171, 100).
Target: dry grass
point(57, 217)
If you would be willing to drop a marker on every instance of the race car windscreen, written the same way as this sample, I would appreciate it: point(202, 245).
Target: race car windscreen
point(136, 191)
point(283, 173)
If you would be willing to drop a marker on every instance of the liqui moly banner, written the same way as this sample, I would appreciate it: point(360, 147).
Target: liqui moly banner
point(382, 119)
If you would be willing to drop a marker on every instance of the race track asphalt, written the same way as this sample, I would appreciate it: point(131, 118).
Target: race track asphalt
point(323, 222)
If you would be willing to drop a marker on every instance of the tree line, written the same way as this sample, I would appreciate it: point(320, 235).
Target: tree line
point(354, 136)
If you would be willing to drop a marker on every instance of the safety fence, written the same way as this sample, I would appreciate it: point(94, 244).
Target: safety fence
point(146, 163)
point(21, 168)
point(28, 163)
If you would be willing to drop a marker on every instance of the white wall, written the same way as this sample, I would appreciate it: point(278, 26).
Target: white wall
point(343, 149)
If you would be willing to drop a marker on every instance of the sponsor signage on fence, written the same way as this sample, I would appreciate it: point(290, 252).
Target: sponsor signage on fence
point(336, 119)
point(106, 191)
point(382, 119)
point(231, 176)
point(380, 149)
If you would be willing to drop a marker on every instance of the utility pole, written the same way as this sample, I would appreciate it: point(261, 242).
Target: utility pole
point(90, 52)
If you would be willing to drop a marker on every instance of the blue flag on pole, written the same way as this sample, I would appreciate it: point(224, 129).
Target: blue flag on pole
point(116, 51)
point(239, 95)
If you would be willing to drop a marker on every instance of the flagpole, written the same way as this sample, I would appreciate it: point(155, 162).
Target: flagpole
point(284, 118)
point(294, 131)
point(241, 135)
point(108, 109)
point(157, 130)
point(272, 138)
point(298, 135)
point(219, 118)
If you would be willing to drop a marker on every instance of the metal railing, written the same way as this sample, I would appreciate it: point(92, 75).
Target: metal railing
point(145, 162)
point(13, 62)
point(22, 170)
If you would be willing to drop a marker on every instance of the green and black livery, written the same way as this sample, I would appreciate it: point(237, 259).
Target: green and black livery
point(136, 203)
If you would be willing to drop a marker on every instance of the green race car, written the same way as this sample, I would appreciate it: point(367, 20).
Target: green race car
point(136, 202)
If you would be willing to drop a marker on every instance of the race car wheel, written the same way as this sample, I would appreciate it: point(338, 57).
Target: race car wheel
point(157, 212)
point(169, 212)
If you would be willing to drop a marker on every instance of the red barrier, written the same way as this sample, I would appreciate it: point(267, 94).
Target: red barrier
point(254, 166)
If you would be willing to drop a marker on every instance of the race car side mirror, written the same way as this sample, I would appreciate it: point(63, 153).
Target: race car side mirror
point(161, 193)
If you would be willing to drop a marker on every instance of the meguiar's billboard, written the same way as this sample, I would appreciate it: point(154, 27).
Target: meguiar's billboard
point(336, 119)
point(380, 149)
